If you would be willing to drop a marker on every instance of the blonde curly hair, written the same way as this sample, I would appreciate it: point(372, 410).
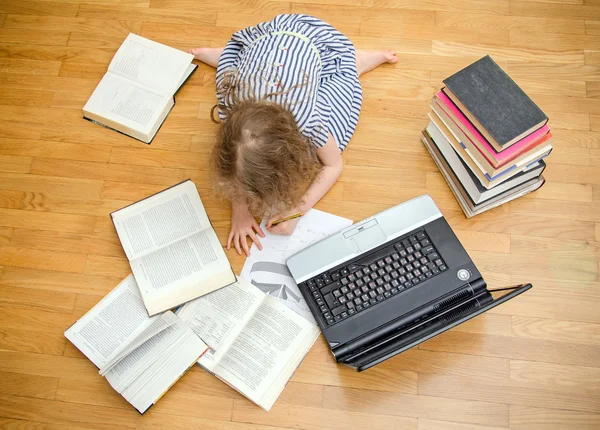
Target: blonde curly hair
point(261, 158)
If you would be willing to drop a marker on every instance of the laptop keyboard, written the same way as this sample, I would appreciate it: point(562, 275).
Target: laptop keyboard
point(345, 291)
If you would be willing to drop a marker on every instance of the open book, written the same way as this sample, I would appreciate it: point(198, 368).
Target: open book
point(136, 94)
point(173, 250)
point(140, 356)
point(256, 342)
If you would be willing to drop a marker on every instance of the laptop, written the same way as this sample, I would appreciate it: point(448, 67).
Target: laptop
point(391, 282)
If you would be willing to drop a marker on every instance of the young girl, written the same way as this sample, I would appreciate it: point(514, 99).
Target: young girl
point(288, 99)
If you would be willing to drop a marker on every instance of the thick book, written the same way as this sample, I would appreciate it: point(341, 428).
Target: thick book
point(137, 92)
point(488, 181)
point(141, 357)
point(538, 141)
point(494, 103)
point(465, 180)
point(465, 204)
point(256, 342)
point(172, 248)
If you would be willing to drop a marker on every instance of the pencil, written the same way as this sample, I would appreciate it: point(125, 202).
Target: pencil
point(279, 221)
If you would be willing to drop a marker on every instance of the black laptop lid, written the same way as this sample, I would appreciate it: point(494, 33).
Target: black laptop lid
point(436, 325)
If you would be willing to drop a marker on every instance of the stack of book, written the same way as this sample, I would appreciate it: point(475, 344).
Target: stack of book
point(487, 137)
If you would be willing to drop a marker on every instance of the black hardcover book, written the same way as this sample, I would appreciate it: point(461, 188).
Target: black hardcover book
point(494, 103)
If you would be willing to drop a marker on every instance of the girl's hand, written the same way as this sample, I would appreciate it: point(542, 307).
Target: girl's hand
point(287, 227)
point(243, 224)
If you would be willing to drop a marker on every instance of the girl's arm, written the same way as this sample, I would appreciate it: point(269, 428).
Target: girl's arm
point(330, 172)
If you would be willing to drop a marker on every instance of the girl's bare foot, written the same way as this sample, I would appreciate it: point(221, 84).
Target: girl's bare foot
point(209, 56)
point(368, 60)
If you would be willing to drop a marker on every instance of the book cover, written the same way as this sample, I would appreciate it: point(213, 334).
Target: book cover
point(506, 114)
point(495, 159)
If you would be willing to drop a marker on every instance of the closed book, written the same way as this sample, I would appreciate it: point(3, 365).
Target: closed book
point(471, 160)
point(474, 191)
point(465, 204)
point(494, 103)
point(538, 141)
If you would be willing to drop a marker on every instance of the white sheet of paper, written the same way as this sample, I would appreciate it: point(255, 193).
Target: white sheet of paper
point(266, 269)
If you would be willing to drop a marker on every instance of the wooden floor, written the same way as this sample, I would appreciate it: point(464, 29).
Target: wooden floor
point(531, 364)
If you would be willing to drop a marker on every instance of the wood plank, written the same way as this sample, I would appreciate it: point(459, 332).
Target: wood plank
point(555, 209)
point(33, 298)
point(88, 133)
point(5, 235)
point(593, 89)
point(535, 418)
point(23, 278)
point(564, 192)
point(556, 330)
point(39, 8)
point(30, 67)
point(425, 424)
point(126, 13)
point(506, 392)
point(67, 242)
point(595, 122)
point(551, 10)
point(550, 42)
point(156, 158)
point(107, 172)
point(66, 413)
point(101, 265)
point(26, 97)
point(40, 202)
point(110, 28)
point(592, 57)
point(543, 70)
point(72, 69)
point(66, 187)
point(535, 225)
point(97, 393)
point(42, 259)
point(514, 348)
point(569, 121)
point(427, 406)
point(39, 387)
point(15, 164)
point(382, 378)
point(46, 221)
point(505, 53)
point(31, 341)
point(15, 35)
point(555, 377)
point(525, 245)
point(550, 299)
point(15, 316)
point(59, 150)
point(305, 417)
point(542, 25)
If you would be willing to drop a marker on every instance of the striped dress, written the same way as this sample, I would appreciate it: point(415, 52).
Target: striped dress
point(311, 63)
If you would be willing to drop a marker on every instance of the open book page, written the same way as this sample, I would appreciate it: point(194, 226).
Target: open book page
point(160, 220)
point(266, 269)
point(182, 351)
point(151, 64)
point(218, 317)
point(110, 326)
point(138, 360)
point(160, 323)
point(173, 250)
point(256, 360)
point(126, 105)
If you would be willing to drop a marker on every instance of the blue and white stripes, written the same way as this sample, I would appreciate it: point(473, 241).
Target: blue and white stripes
point(311, 63)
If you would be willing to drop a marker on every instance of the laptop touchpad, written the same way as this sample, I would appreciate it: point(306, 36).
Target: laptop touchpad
point(369, 238)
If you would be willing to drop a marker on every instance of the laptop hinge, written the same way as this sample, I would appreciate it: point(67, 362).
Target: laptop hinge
point(459, 295)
